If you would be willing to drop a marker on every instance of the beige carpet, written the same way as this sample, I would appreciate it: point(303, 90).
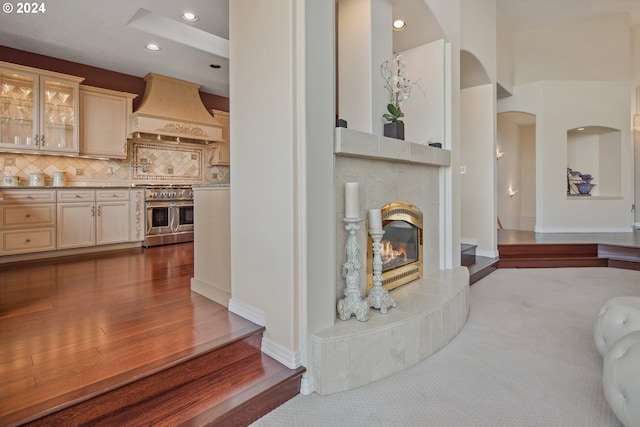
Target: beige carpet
point(525, 358)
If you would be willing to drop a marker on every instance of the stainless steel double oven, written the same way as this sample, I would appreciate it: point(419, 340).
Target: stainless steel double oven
point(169, 216)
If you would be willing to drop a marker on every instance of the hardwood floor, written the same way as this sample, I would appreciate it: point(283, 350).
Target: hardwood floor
point(73, 328)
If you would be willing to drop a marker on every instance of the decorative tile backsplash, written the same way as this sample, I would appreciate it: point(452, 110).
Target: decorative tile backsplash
point(180, 163)
point(164, 163)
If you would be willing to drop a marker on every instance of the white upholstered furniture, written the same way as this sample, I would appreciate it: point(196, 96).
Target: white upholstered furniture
point(617, 337)
point(621, 379)
point(616, 318)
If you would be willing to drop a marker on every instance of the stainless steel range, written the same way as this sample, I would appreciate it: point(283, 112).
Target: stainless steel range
point(169, 216)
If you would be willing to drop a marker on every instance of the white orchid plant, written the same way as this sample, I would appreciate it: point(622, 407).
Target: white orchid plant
point(399, 86)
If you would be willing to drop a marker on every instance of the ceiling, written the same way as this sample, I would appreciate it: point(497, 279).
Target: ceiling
point(113, 36)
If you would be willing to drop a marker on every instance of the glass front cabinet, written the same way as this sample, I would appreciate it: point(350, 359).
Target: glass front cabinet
point(38, 110)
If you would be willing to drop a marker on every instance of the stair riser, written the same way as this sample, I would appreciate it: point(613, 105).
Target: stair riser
point(88, 411)
point(547, 251)
point(551, 263)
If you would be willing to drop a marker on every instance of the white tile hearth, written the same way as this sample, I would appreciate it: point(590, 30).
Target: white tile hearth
point(430, 312)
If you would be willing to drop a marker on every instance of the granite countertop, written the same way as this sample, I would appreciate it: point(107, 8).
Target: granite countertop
point(66, 187)
point(211, 185)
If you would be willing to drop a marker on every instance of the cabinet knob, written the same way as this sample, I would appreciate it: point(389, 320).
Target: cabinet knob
point(78, 196)
point(28, 241)
point(28, 215)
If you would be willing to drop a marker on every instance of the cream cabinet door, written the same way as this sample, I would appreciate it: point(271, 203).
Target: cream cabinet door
point(104, 117)
point(112, 225)
point(76, 225)
point(38, 110)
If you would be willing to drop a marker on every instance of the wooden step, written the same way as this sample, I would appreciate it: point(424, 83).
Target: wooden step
point(540, 262)
point(548, 250)
point(467, 254)
point(549, 255)
point(481, 268)
point(234, 384)
point(621, 256)
point(568, 255)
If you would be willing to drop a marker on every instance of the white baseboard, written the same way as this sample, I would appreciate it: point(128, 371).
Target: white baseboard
point(307, 385)
point(248, 312)
point(486, 254)
point(210, 291)
point(584, 230)
point(290, 359)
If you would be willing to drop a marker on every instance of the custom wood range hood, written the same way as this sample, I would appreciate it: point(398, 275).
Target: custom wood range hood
point(171, 110)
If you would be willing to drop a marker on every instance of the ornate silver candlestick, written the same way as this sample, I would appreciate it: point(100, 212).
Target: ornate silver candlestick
point(353, 302)
point(378, 296)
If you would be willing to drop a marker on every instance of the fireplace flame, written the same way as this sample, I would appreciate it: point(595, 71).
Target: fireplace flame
point(391, 254)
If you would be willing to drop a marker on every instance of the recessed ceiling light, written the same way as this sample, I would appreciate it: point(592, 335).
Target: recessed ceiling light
point(581, 129)
point(154, 47)
point(189, 16)
point(399, 25)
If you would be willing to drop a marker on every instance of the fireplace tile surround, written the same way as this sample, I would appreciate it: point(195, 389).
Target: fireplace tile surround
point(431, 310)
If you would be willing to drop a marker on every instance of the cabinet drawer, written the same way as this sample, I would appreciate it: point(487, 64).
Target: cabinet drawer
point(23, 241)
point(28, 196)
point(110, 195)
point(76, 195)
point(16, 216)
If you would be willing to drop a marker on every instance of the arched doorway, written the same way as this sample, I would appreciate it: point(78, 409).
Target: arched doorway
point(516, 170)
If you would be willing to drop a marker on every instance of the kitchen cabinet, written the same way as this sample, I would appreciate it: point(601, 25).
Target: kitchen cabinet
point(27, 221)
point(221, 154)
point(38, 110)
point(92, 217)
point(112, 212)
point(137, 214)
point(104, 118)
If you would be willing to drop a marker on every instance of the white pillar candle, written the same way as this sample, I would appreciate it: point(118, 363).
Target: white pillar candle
point(352, 199)
point(375, 220)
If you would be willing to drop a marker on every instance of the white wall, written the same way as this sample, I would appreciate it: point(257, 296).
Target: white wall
point(478, 32)
point(527, 177)
point(560, 106)
point(478, 128)
point(447, 12)
point(635, 100)
point(365, 42)
point(424, 110)
point(590, 49)
point(318, 241)
point(478, 156)
point(264, 249)
point(281, 201)
point(505, 53)
point(508, 172)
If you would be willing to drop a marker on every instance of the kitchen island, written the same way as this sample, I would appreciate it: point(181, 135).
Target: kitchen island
point(212, 238)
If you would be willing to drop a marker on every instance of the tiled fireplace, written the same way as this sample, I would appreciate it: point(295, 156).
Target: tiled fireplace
point(433, 305)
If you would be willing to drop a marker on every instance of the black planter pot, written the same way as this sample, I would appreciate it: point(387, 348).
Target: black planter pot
point(394, 130)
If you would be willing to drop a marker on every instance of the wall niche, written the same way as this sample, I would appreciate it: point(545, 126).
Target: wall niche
point(597, 151)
